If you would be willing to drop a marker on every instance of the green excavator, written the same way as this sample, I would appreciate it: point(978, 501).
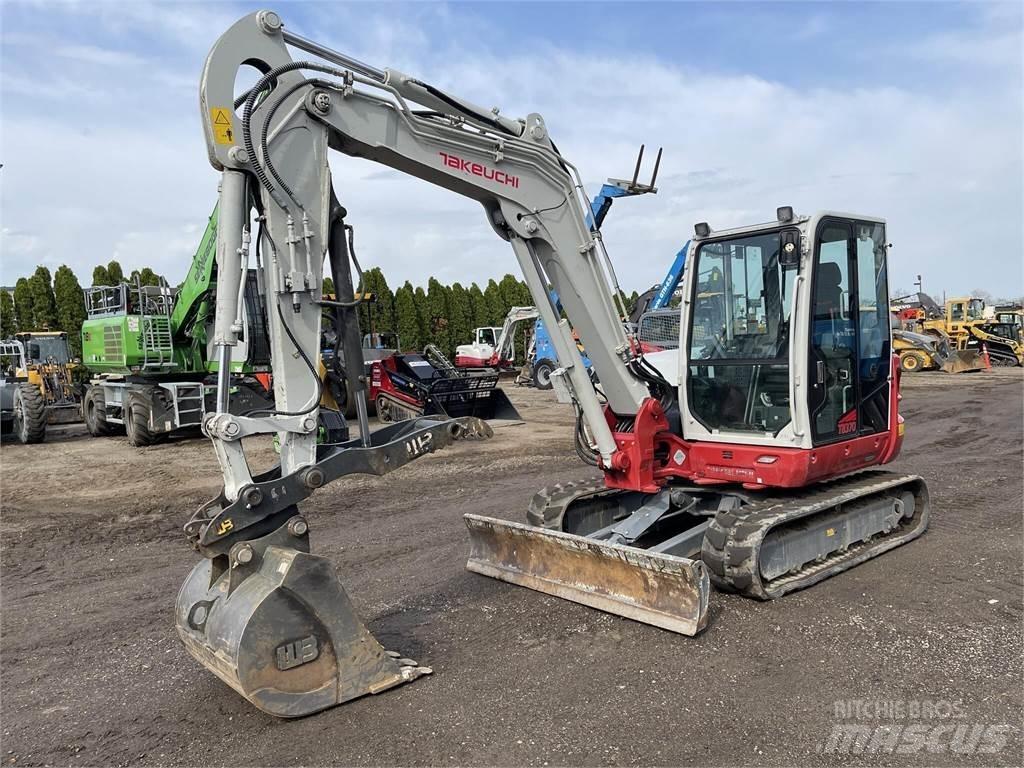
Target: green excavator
point(147, 350)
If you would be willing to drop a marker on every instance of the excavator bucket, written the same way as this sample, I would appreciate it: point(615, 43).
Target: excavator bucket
point(660, 589)
point(282, 631)
point(963, 361)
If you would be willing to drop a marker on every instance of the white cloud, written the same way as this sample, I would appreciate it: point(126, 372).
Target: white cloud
point(120, 168)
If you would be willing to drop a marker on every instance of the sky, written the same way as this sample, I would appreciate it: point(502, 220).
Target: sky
point(909, 111)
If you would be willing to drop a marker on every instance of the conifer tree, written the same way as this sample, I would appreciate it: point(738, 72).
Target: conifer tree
point(439, 315)
point(44, 304)
point(100, 276)
point(23, 305)
point(461, 315)
point(8, 326)
point(115, 273)
point(406, 318)
point(70, 306)
point(426, 335)
point(478, 306)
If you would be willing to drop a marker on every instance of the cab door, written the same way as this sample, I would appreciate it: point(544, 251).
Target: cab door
point(956, 314)
point(850, 342)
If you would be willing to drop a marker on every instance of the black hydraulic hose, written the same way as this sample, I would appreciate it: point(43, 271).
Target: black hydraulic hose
point(291, 337)
point(442, 96)
point(314, 404)
point(250, 102)
point(584, 451)
point(265, 152)
point(346, 313)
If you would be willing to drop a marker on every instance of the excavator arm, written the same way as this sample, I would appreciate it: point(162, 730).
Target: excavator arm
point(504, 347)
point(260, 611)
point(277, 151)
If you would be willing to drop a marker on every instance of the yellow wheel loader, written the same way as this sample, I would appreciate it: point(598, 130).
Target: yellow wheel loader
point(37, 385)
point(963, 321)
point(933, 352)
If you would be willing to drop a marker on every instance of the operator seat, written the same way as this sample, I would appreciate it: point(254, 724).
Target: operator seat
point(833, 340)
point(828, 294)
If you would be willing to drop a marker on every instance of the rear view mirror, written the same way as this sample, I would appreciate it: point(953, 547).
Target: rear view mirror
point(789, 255)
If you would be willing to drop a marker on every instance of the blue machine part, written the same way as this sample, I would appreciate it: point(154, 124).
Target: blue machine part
point(671, 282)
point(599, 207)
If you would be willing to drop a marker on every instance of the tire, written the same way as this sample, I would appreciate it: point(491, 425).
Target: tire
point(349, 411)
point(911, 362)
point(94, 412)
point(29, 414)
point(137, 409)
point(542, 371)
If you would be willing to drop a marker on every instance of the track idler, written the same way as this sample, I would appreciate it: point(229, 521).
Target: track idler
point(274, 622)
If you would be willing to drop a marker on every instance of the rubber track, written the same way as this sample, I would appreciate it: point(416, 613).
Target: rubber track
point(733, 540)
point(400, 408)
point(548, 505)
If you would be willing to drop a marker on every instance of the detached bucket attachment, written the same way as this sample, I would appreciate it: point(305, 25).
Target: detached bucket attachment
point(664, 590)
point(280, 629)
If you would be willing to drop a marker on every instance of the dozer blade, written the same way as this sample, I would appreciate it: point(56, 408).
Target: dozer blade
point(664, 590)
point(282, 632)
point(963, 362)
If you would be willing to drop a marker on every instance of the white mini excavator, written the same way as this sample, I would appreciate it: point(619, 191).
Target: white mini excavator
point(746, 458)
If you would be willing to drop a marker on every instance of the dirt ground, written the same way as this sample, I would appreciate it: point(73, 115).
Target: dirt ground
point(930, 635)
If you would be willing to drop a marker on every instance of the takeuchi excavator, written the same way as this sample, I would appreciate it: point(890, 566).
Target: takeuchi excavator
point(745, 458)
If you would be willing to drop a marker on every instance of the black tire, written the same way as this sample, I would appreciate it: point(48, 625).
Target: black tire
point(94, 412)
point(137, 409)
point(912, 362)
point(542, 371)
point(29, 414)
point(347, 404)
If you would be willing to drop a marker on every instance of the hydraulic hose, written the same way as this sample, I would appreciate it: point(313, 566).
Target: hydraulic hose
point(347, 315)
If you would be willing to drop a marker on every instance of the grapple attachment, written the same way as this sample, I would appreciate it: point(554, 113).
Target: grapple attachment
point(280, 629)
point(656, 588)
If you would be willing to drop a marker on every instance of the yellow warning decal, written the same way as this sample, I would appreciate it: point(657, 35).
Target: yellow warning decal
point(830, 532)
point(222, 124)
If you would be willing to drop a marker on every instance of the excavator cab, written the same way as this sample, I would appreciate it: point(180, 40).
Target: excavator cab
point(784, 377)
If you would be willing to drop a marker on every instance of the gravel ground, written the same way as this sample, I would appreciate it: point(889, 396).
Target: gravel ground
point(926, 640)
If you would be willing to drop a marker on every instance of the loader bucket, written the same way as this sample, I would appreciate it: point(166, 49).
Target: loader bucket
point(471, 396)
point(282, 632)
point(963, 362)
point(501, 408)
point(664, 590)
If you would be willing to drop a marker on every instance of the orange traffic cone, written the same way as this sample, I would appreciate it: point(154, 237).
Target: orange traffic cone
point(985, 357)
